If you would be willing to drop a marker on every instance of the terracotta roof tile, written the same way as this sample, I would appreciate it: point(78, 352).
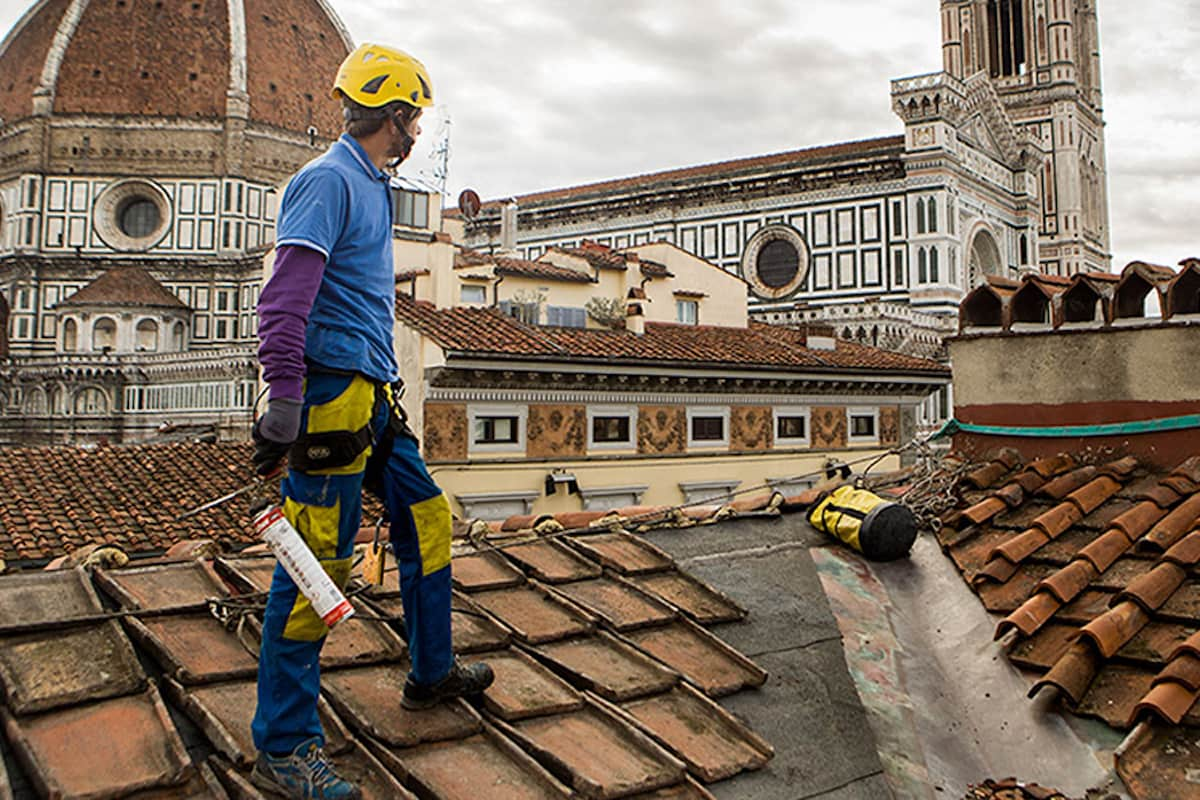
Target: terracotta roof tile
point(128, 495)
point(486, 331)
point(1068, 582)
point(1063, 485)
point(1152, 589)
point(125, 286)
point(1031, 616)
point(1073, 673)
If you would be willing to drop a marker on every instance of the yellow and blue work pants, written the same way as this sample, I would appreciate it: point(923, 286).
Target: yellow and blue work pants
point(325, 507)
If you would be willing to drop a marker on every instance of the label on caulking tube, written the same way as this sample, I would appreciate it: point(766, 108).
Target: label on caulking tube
point(303, 567)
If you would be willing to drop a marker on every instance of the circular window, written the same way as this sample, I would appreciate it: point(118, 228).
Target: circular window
point(138, 217)
point(778, 263)
point(775, 262)
point(132, 215)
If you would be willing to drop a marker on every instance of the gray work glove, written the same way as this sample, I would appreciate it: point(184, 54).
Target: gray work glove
point(274, 432)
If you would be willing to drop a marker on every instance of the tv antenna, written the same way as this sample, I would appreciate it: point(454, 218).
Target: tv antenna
point(440, 156)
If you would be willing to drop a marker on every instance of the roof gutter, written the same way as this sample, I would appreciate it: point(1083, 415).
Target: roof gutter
point(467, 360)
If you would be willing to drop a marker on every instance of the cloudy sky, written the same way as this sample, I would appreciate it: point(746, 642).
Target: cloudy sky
point(550, 93)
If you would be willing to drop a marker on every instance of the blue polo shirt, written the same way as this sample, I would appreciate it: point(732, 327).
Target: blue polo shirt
point(339, 205)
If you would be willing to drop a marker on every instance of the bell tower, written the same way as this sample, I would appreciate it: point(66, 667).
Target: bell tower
point(1043, 57)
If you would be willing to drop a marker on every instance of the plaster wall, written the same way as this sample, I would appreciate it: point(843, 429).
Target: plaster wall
point(1150, 364)
point(724, 302)
point(662, 476)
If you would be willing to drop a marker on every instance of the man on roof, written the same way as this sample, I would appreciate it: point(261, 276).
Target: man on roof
point(325, 327)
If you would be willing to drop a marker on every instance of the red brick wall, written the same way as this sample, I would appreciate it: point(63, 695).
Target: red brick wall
point(299, 51)
point(21, 69)
point(135, 58)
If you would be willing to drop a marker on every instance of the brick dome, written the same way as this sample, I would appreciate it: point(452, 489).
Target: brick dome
point(264, 62)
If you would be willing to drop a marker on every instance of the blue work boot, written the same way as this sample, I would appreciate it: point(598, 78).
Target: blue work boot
point(463, 680)
point(303, 774)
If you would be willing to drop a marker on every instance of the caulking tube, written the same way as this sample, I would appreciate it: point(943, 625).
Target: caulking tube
point(303, 567)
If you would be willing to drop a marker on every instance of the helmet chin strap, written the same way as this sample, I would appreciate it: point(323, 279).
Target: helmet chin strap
point(408, 141)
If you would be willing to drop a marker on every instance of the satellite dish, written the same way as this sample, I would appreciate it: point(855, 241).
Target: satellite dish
point(469, 203)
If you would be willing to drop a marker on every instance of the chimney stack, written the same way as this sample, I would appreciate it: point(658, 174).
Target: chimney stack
point(508, 228)
point(635, 320)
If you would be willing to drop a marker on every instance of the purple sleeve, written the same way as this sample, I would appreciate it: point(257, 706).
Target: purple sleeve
point(283, 309)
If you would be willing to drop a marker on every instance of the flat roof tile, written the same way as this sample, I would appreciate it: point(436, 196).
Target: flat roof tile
point(700, 657)
point(617, 603)
point(596, 754)
point(710, 740)
point(67, 759)
point(524, 688)
point(457, 770)
point(608, 666)
point(368, 700)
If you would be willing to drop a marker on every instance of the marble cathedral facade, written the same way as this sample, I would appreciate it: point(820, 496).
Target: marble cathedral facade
point(1000, 170)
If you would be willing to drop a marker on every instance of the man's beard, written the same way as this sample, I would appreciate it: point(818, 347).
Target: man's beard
point(400, 151)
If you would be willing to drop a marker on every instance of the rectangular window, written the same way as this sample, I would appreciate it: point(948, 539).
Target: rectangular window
point(897, 267)
point(864, 425)
point(610, 430)
point(222, 300)
point(621, 243)
point(640, 239)
point(566, 317)
point(710, 241)
point(708, 429)
point(474, 294)
point(496, 430)
point(791, 427)
point(687, 312)
point(897, 218)
point(411, 208)
point(222, 329)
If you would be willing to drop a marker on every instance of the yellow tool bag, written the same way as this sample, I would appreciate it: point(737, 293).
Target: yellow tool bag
point(879, 529)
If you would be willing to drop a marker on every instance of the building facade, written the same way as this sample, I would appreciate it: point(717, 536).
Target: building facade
point(138, 189)
point(594, 379)
point(1000, 171)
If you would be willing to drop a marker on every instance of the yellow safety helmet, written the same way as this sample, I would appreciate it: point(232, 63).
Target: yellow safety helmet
point(374, 75)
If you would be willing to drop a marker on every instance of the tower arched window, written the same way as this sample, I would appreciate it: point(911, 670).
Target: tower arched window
point(147, 335)
point(1024, 249)
point(933, 215)
point(933, 265)
point(177, 334)
point(922, 266)
point(920, 216)
point(104, 334)
point(70, 336)
point(1006, 37)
